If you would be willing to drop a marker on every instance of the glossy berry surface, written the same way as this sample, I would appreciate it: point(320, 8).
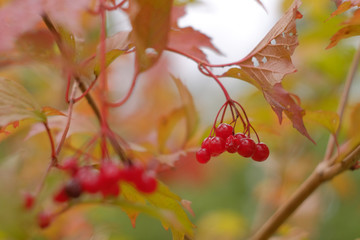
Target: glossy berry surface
point(246, 147)
point(240, 135)
point(261, 152)
point(217, 146)
point(224, 130)
point(203, 155)
point(206, 143)
point(146, 184)
point(73, 188)
point(44, 219)
point(232, 144)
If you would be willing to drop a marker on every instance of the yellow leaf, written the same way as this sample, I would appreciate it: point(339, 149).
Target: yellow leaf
point(329, 120)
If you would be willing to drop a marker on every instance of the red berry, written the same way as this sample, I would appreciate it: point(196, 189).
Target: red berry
point(240, 136)
point(217, 146)
point(61, 196)
point(109, 173)
point(246, 147)
point(111, 189)
point(73, 188)
point(203, 155)
point(70, 165)
point(44, 219)
point(231, 144)
point(29, 201)
point(261, 152)
point(206, 143)
point(132, 173)
point(89, 179)
point(224, 130)
point(146, 184)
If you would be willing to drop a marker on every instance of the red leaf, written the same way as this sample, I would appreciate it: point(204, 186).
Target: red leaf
point(150, 20)
point(188, 40)
point(266, 66)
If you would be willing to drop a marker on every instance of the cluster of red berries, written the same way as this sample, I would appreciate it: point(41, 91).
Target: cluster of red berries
point(86, 179)
point(226, 140)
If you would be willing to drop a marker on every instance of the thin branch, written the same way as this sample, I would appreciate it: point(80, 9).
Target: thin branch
point(343, 101)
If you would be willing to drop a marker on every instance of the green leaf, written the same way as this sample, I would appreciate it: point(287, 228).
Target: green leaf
point(16, 103)
point(162, 204)
point(329, 120)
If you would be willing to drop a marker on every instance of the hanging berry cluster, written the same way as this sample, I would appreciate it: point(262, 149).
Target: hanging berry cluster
point(104, 182)
point(223, 137)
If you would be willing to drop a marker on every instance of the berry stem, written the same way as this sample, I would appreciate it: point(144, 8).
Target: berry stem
point(54, 161)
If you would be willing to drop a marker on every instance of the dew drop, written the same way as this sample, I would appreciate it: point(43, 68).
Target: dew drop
point(255, 61)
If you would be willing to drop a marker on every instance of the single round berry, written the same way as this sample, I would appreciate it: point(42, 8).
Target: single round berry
point(29, 201)
point(89, 179)
point(73, 188)
point(224, 130)
point(217, 146)
point(261, 152)
point(246, 147)
point(109, 173)
point(206, 143)
point(203, 155)
point(232, 144)
point(146, 184)
point(61, 196)
point(240, 136)
point(44, 219)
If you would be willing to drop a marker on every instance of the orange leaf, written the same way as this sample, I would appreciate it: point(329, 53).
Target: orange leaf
point(188, 40)
point(150, 20)
point(266, 66)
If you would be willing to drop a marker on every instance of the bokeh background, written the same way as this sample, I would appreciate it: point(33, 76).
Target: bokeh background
point(231, 196)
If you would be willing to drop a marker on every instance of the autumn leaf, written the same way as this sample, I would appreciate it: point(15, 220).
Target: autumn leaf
point(329, 120)
point(164, 201)
point(188, 40)
point(50, 111)
point(351, 26)
point(150, 20)
point(20, 16)
point(266, 66)
point(16, 103)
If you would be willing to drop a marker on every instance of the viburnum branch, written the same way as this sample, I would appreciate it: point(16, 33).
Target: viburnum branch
point(328, 168)
point(67, 126)
point(54, 161)
point(343, 101)
point(128, 94)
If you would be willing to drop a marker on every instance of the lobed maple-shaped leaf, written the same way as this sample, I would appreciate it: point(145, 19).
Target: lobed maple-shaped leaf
point(188, 40)
point(266, 66)
point(351, 26)
point(150, 20)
